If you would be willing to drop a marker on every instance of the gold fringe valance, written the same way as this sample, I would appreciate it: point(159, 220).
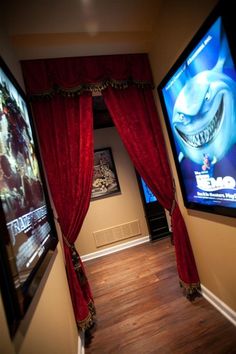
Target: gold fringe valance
point(96, 88)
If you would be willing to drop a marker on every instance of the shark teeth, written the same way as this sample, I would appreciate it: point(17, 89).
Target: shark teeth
point(206, 135)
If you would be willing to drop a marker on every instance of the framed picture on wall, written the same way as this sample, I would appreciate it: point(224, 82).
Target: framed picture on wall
point(105, 180)
point(28, 236)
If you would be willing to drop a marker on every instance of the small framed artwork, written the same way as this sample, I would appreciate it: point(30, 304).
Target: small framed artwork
point(105, 180)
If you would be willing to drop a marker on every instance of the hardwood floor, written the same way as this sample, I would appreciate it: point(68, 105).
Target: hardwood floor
point(141, 308)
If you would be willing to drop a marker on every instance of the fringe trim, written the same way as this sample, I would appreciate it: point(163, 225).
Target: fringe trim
point(90, 320)
point(191, 291)
point(98, 87)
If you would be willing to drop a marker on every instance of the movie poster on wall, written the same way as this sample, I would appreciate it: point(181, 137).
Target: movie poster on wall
point(199, 101)
point(105, 179)
point(21, 192)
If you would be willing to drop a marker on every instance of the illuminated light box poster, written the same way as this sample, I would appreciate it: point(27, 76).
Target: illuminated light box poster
point(148, 195)
point(27, 228)
point(199, 104)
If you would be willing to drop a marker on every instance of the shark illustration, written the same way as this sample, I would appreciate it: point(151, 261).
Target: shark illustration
point(204, 114)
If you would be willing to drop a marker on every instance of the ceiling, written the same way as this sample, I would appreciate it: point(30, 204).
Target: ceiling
point(79, 16)
point(56, 28)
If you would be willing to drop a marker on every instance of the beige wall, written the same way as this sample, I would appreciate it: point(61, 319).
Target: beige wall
point(118, 209)
point(213, 237)
point(49, 326)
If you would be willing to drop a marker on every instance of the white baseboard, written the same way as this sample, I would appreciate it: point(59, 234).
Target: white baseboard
point(116, 248)
point(224, 309)
point(81, 349)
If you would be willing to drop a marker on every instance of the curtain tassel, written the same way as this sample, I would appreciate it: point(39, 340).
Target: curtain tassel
point(191, 291)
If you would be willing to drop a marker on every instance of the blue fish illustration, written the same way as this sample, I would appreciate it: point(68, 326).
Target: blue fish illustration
point(204, 116)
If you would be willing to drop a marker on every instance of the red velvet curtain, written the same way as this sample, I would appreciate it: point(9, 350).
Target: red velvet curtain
point(134, 114)
point(65, 130)
point(126, 82)
point(63, 115)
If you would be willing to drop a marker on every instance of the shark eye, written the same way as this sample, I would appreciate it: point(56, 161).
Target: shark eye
point(207, 96)
point(181, 117)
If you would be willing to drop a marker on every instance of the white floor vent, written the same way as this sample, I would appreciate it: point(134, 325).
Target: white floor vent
point(117, 233)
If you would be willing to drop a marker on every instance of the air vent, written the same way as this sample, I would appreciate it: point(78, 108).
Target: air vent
point(116, 233)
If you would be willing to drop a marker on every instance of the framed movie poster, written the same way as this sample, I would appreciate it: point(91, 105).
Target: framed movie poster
point(198, 98)
point(28, 236)
point(105, 180)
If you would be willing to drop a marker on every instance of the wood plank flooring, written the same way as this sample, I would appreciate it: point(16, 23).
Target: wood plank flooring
point(141, 308)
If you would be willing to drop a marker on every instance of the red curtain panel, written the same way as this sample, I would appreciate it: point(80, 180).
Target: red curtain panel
point(65, 131)
point(134, 113)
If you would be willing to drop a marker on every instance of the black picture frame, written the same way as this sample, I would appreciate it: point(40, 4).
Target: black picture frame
point(209, 184)
point(105, 179)
point(28, 234)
